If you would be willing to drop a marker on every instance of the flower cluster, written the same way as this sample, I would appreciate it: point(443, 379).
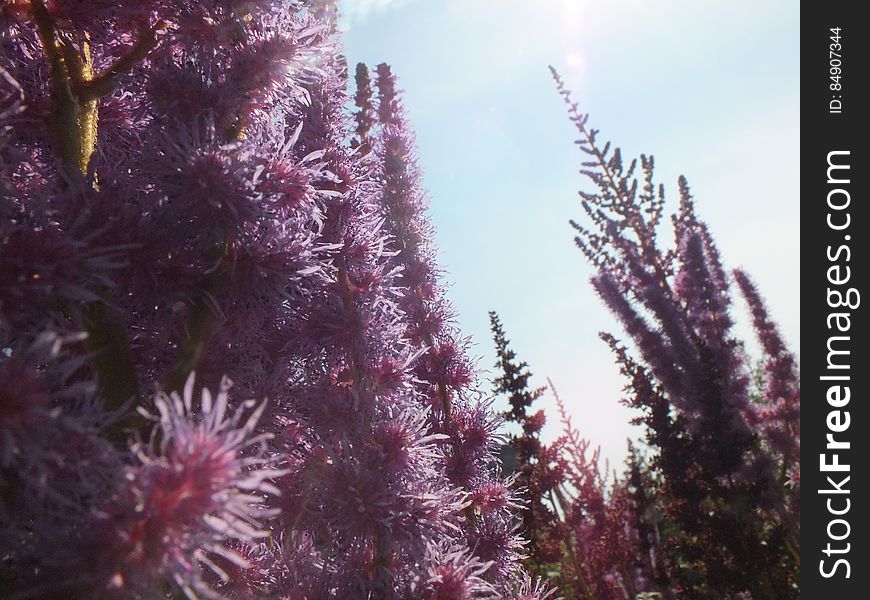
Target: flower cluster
point(591, 534)
point(726, 459)
point(182, 192)
point(711, 507)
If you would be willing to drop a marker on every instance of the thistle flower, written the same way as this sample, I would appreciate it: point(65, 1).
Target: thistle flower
point(201, 481)
point(48, 425)
point(455, 574)
point(534, 589)
point(182, 189)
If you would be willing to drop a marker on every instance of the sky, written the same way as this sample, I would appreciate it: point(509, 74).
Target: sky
point(709, 88)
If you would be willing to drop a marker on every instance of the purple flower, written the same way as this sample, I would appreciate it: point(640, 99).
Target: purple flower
point(722, 455)
point(181, 194)
point(201, 481)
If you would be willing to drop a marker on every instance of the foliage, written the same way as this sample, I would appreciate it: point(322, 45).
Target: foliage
point(594, 535)
point(182, 193)
point(713, 513)
point(228, 367)
point(726, 462)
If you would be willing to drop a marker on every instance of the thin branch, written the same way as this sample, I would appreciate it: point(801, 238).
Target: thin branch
point(105, 83)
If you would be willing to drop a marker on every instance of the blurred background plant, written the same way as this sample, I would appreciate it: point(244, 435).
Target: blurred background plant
point(710, 508)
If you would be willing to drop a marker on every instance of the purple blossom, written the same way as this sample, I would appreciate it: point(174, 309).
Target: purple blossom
point(455, 574)
point(723, 454)
point(183, 195)
point(779, 413)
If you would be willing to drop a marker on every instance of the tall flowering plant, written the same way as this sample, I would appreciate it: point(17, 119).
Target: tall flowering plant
point(727, 457)
point(226, 366)
point(532, 461)
point(594, 535)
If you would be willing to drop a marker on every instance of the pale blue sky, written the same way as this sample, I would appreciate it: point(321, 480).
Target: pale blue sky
point(710, 88)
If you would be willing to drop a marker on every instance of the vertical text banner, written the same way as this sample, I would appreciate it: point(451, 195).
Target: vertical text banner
point(835, 228)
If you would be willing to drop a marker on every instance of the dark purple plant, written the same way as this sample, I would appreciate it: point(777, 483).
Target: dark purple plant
point(183, 205)
point(590, 533)
point(532, 462)
point(727, 460)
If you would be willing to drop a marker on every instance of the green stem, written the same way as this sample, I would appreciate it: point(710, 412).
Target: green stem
point(74, 120)
point(76, 90)
point(111, 360)
point(74, 124)
point(199, 326)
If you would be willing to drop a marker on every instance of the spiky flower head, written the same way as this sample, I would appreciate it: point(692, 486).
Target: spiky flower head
point(199, 483)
